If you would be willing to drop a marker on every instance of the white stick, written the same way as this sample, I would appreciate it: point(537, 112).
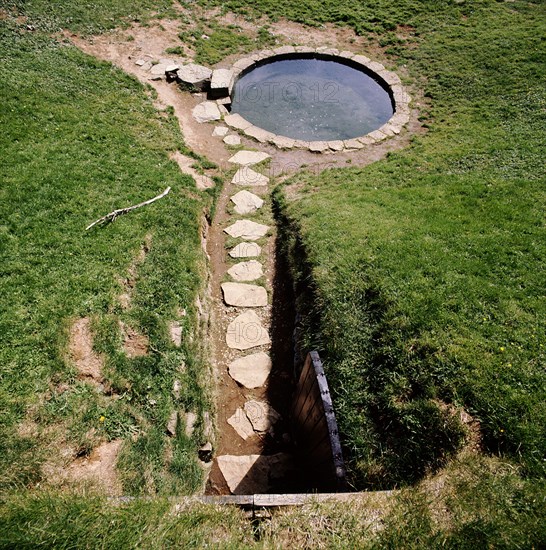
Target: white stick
point(113, 215)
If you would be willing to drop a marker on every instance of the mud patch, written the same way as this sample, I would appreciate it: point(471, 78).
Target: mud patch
point(99, 468)
point(135, 344)
point(129, 282)
point(88, 363)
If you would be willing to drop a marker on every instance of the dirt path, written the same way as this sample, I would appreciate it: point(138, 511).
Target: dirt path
point(251, 336)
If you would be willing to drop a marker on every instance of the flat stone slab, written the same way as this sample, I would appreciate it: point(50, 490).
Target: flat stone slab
point(241, 424)
point(195, 76)
point(253, 474)
point(246, 202)
point(246, 158)
point(251, 371)
point(220, 83)
point(206, 112)
point(247, 177)
point(246, 229)
point(232, 140)
point(318, 146)
point(259, 134)
point(246, 271)
point(244, 295)
point(245, 250)
point(237, 121)
point(246, 331)
point(220, 131)
point(262, 415)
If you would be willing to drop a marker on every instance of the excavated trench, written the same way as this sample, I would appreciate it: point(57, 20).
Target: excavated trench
point(255, 451)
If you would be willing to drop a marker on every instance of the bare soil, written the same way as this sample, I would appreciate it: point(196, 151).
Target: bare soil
point(88, 363)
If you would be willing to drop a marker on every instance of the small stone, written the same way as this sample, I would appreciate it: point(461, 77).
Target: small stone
point(246, 271)
point(205, 452)
point(245, 176)
point(241, 424)
point(246, 158)
point(283, 142)
point(206, 111)
point(304, 49)
point(232, 140)
point(244, 295)
point(366, 140)
point(259, 134)
point(281, 50)
point(208, 429)
point(172, 424)
point(353, 144)
point(237, 121)
point(175, 331)
point(246, 229)
point(222, 109)
point(262, 416)
point(246, 202)
point(246, 331)
point(220, 131)
point(176, 389)
point(243, 63)
point(336, 145)
point(362, 59)
point(140, 62)
point(377, 135)
point(251, 371)
point(318, 146)
point(191, 419)
point(245, 250)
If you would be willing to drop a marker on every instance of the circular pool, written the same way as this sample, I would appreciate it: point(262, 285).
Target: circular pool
point(312, 98)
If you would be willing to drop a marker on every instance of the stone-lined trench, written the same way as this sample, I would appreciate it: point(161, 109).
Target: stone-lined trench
point(251, 329)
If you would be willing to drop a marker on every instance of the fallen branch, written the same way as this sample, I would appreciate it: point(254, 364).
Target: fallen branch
point(111, 217)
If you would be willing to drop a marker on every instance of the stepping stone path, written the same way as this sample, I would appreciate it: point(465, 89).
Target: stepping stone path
point(248, 333)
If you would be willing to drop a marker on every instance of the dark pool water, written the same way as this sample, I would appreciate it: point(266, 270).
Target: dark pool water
point(311, 100)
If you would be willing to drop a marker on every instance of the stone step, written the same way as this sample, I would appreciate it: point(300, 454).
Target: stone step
point(251, 371)
point(244, 295)
point(246, 271)
point(246, 331)
point(246, 229)
point(246, 158)
point(245, 250)
point(254, 474)
point(246, 202)
point(249, 178)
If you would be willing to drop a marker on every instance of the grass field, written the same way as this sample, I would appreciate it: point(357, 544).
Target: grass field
point(78, 140)
point(442, 249)
point(425, 290)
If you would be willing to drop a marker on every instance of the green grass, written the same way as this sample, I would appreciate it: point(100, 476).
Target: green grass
point(79, 139)
point(480, 504)
point(427, 284)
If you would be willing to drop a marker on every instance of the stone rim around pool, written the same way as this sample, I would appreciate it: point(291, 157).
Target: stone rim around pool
point(389, 80)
